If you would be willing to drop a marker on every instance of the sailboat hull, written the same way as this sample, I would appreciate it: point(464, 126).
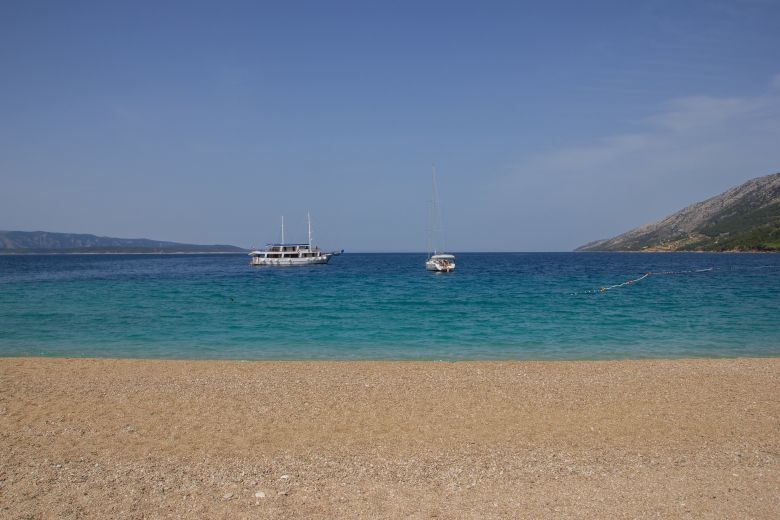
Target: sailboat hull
point(440, 265)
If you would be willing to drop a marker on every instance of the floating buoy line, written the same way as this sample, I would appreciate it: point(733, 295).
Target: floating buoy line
point(664, 273)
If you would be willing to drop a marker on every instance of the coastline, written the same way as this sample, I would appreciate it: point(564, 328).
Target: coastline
point(728, 251)
point(324, 439)
point(94, 253)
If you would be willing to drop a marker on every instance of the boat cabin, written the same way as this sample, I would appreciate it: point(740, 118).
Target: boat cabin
point(288, 251)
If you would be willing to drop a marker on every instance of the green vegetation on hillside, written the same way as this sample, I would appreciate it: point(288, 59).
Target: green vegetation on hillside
point(751, 230)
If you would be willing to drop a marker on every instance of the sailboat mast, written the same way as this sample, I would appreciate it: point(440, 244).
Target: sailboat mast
point(430, 230)
point(435, 210)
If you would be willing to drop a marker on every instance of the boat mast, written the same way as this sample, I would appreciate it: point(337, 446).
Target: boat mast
point(308, 218)
point(435, 210)
point(430, 230)
point(282, 229)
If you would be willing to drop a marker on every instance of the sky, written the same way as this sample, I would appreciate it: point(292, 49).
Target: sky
point(550, 124)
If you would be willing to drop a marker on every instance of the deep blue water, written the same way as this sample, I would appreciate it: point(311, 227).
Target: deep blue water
point(386, 306)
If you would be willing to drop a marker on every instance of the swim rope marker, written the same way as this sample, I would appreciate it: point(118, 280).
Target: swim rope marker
point(629, 282)
point(635, 280)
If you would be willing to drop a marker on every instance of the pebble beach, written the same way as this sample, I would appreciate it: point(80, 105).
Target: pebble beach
point(104, 438)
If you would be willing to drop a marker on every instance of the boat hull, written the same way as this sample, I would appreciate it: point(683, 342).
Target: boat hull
point(291, 262)
point(439, 267)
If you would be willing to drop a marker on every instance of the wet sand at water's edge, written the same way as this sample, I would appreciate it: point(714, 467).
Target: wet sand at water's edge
point(214, 439)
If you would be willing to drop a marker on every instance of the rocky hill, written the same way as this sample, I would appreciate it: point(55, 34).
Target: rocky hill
point(16, 242)
point(744, 218)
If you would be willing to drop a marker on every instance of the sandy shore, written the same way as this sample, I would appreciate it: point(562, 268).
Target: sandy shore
point(205, 439)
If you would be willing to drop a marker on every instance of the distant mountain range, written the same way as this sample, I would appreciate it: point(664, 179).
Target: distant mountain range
point(745, 218)
point(18, 242)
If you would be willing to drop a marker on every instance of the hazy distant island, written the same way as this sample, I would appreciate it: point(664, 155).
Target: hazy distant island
point(744, 218)
point(43, 242)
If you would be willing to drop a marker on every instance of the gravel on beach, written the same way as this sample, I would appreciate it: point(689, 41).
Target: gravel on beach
point(103, 438)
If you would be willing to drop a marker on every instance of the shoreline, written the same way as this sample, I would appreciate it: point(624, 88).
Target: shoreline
point(728, 252)
point(109, 253)
point(454, 439)
point(380, 360)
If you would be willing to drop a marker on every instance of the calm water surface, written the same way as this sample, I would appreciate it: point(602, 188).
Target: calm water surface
point(386, 306)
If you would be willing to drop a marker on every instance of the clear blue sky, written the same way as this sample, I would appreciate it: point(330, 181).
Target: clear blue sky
point(551, 123)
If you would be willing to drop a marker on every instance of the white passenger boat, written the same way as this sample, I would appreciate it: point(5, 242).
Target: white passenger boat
point(439, 262)
point(289, 254)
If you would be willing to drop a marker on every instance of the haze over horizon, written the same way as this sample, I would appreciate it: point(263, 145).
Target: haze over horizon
point(550, 125)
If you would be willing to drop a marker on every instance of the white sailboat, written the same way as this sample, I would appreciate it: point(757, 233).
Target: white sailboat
point(292, 254)
point(437, 261)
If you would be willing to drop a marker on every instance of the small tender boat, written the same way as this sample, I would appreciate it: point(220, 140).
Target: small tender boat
point(439, 262)
point(287, 254)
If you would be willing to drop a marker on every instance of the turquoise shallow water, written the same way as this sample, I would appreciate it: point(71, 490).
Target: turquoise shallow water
point(386, 306)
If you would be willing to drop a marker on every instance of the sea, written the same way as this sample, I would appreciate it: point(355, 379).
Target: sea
point(495, 306)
